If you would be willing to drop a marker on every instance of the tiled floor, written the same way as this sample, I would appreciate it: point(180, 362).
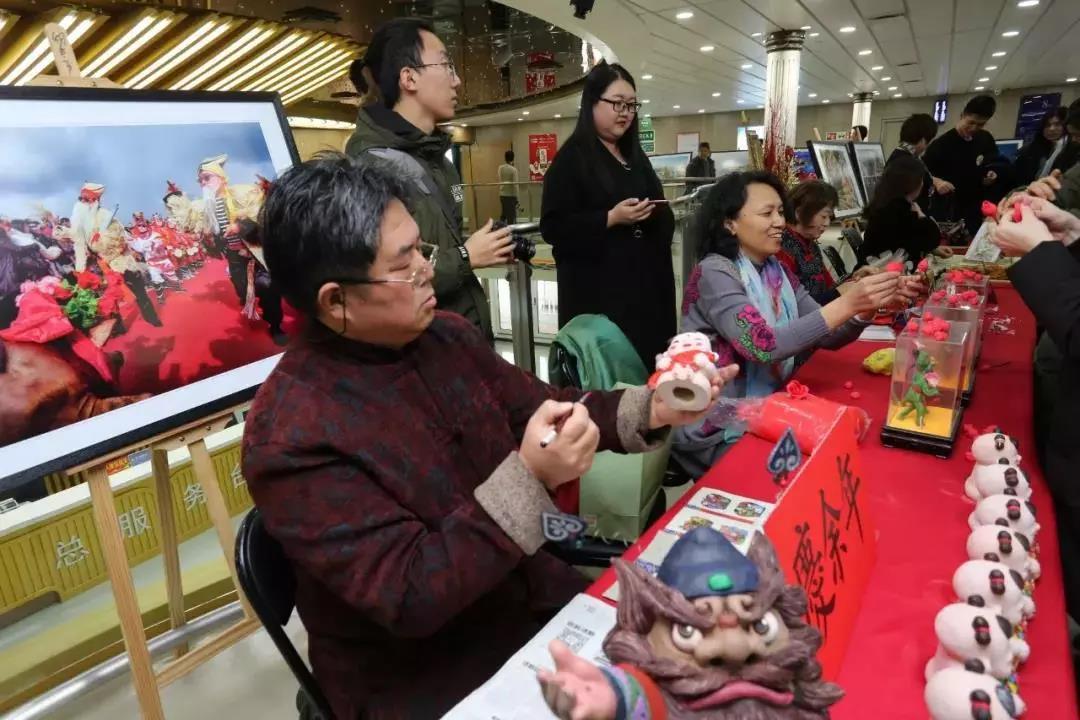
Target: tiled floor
point(249, 681)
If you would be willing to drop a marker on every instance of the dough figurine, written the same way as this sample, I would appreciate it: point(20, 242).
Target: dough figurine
point(716, 636)
point(1006, 511)
point(987, 480)
point(971, 636)
point(923, 385)
point(996, 587)
point(995, 448)
point(684, 373)
point(1006, 546)
point(959, 694)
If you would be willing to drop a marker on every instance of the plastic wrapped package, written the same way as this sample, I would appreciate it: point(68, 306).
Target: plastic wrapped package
point(810, 417)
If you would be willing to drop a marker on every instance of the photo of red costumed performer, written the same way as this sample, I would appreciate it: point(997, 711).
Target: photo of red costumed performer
point(96, 229)
point(226, 206)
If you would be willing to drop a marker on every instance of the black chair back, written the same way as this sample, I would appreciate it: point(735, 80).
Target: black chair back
point(836, 260)
point(567, 367)
point(268, 581)
point(853, 237)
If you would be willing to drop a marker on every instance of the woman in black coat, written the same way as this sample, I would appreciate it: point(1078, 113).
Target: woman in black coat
point(894, 219)
point(600, 213)
point(1036, 159)
point(1047, 276)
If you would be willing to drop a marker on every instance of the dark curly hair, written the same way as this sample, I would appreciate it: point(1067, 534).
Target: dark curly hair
point(723, 202)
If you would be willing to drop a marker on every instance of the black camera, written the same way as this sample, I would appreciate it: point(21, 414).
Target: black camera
point(582, 8)
point(524, 246)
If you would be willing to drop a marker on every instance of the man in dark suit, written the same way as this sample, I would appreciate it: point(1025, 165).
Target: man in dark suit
point(967, 157)
point(701, 166)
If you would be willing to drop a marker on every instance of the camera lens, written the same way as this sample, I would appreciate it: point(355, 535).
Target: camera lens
point(524, 248)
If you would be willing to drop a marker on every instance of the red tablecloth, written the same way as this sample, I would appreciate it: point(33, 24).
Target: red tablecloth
point(921, 513)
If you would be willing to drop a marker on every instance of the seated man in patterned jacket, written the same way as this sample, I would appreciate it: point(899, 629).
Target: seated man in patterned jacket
point(399, 461)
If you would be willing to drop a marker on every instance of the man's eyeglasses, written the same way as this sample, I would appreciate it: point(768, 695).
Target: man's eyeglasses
point(621, 106)
point(417, 278)
point(447, 64)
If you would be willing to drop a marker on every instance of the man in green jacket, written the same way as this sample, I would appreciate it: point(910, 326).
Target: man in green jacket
point(417, 88)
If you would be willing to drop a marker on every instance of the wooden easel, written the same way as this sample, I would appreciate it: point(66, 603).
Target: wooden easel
point(68, 73)
point(192, 436)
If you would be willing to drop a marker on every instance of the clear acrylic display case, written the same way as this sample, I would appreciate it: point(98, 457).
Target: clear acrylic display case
point(927, 383)
point(958, 308)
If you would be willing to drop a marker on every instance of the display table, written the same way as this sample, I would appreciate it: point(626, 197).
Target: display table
point(921, 514)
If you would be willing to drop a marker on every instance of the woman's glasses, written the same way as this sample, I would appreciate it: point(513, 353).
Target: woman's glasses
point(623, 106)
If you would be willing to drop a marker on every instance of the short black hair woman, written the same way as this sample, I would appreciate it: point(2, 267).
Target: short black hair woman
point(611, 240)
point(1036, 158)
point(916, 133)
point(895, 221)
point(756, 313)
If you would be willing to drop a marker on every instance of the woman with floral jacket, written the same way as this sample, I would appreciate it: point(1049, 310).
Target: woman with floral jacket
point(757, 314)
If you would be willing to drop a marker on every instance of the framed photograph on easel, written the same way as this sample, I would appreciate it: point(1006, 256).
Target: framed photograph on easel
point(833, 164)
point(138, 303)
point(869, 165)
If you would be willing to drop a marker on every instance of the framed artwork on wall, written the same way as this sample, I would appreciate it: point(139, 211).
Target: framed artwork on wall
point(132, 295)
point(670, 166)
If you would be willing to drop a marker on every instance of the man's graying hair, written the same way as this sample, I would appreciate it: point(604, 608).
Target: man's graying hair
point(321, 220)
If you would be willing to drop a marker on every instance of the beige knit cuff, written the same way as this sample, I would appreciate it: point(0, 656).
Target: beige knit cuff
point(516, 501)
point(632, 422)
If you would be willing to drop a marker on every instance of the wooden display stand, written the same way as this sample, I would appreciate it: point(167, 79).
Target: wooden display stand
point(193, 437)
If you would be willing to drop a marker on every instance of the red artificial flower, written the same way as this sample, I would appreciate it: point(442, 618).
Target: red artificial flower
point(924, 265)
point(989, 209)
point(895, 266)
point(107, 305)
point(797, 390)
point(912, 326)
point(87, 280)
point(61, 293)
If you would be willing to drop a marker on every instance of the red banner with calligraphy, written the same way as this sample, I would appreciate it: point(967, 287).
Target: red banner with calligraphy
point(825, 538)
point(542, 150)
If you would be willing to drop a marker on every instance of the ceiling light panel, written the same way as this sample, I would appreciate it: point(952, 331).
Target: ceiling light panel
point(195, 40)
point(32, 55)
point(305, 74)
point(38, 46)
point(264, 59)
point(316, 51)
point(332, 74)
point(124, 38)
point(240, 46)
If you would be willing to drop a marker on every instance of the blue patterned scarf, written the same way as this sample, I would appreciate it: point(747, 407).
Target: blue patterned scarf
point(770, 291)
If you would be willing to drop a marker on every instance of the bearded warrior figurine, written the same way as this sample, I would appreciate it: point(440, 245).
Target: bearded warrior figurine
point(716, 635)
